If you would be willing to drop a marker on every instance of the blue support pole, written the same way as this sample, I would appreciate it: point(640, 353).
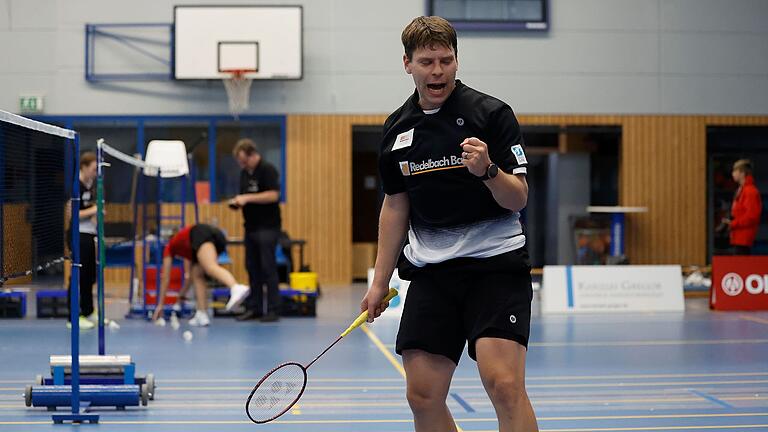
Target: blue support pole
point(192, 178)
point(212, 161)
point(74, 310)
point(158, 239)
point(283, 141)
point(74, 287)
point(617, 234)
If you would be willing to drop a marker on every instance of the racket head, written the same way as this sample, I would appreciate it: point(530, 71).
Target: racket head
point(276, 392)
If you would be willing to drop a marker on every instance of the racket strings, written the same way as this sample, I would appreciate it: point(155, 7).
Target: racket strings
point(276, 393)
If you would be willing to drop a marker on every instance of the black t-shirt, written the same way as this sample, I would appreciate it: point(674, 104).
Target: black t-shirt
point(452, 213)
point(264, 178)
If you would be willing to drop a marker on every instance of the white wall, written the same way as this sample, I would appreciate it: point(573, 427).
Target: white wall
point(601, 56)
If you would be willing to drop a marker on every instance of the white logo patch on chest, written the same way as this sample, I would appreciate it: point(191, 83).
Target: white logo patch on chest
point(403, 140)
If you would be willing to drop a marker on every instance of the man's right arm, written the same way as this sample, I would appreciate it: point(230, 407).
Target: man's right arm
point(393, 227)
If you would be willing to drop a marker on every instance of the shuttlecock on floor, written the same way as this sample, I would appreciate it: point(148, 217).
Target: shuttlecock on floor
point(160, 322)
point(175, 321)
point(113, 325)
point(187, 335)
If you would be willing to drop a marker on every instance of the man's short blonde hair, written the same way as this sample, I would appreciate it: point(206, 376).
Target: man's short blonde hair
point(245, 145)
point(428, 31)
point(743, 165)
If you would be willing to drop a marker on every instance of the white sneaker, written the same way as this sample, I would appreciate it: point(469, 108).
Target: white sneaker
point(84, 324)
point(200, 319)
point(237, 294)
point(94, 318)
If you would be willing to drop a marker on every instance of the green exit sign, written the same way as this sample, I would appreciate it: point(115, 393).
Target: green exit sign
point(31, 104)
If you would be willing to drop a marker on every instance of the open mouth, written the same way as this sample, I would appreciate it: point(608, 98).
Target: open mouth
point(436, 87)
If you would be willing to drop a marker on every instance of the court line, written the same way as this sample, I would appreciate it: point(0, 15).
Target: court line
point(651, 428)
point(464, 404)
point(376, 341)
point(711, 399)
point(470, 387)
point(470, 420)
point(538, 402)
point(455, 379)
point(643, 343)
point(754, 319)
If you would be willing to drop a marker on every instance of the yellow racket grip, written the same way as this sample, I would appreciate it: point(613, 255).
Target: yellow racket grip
point(363, 317)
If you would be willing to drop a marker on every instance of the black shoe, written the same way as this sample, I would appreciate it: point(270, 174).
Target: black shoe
point(270, 317)
point(247, 316)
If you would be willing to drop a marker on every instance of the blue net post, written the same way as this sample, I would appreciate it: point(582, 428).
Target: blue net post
point(74, 291)
point(159, 303)
point(74, 311)
point(74, 287)
point(193, 179)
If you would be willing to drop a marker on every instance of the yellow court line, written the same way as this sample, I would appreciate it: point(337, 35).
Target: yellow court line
point(473, 420)
point(455, 379)
point(400, 369)
point(644, 342)
point(651, 428)
point(754, 319)
point(574, 402)
point(376, 341)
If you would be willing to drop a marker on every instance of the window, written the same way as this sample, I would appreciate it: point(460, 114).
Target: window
point(121, 136)
point(492, 14)
point(268, 136)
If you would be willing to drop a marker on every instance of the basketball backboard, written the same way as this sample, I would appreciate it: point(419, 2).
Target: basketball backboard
point(212, 41)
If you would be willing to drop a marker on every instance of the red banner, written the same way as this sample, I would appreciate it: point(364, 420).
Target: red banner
point(739, 283)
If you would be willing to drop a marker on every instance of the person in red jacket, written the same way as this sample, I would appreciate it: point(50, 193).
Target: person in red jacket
point(745, 210)
point(199, 245)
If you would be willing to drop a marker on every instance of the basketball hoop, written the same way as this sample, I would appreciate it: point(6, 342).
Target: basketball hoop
point(238, 87)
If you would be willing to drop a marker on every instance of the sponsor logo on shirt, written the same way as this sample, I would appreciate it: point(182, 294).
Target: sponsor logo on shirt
point(253, 186)
point(429, 165)
point(517, 150)
point(403, 140)
point(405, 168)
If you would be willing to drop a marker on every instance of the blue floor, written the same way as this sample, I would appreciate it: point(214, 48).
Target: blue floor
point(699, 370)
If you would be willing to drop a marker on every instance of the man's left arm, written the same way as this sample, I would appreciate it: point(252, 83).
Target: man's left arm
point(509, 190)
point(504, 148)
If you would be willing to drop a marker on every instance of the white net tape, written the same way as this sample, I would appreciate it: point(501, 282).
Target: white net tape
point(238, 91)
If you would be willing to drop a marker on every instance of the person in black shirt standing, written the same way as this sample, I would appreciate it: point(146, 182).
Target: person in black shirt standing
point(259, 198)
point(453, 169)
point(87, 215)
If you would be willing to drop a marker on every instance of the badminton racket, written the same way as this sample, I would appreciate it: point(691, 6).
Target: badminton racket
point(281, 388)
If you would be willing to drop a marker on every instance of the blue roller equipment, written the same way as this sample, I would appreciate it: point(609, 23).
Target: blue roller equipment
point(101, 370)
point(119, 396)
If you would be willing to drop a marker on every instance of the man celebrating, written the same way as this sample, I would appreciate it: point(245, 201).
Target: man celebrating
point(453, 169)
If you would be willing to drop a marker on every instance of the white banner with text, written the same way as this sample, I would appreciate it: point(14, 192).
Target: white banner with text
point(568, 289)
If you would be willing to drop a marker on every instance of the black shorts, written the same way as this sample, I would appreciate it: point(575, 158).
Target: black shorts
point(461, 300)
point(202, 233)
